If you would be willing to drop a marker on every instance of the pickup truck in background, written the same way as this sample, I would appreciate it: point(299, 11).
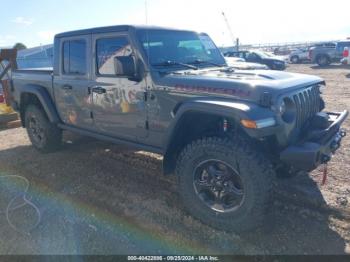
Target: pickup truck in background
point(326, 54)
point(225, 133)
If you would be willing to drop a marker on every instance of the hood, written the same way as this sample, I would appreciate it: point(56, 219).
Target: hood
point(242, 65)
point(247, 66)
point(242, 84)
point(234, 59)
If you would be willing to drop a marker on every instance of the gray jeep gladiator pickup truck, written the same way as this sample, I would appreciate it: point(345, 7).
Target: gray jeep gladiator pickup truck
point(225, 133)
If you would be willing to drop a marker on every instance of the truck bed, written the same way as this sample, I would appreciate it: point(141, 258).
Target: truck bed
point(36, 76)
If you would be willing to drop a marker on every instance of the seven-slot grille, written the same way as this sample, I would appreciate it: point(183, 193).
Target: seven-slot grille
point(307, 103)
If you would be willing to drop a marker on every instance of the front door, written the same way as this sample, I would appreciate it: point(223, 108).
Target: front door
point(71, 84)
point(119, 106)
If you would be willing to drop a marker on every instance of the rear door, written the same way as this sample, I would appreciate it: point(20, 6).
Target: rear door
point(71, 86)
point(119, 106)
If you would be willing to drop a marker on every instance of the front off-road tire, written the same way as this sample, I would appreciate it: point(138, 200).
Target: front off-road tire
point(44, 135)
point(295, 59)
point(251, 181)
point(286, 172)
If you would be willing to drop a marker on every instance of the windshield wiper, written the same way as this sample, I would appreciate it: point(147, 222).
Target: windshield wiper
point(172, 62)
point(199, 61)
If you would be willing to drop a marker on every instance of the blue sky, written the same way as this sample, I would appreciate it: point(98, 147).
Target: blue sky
point(35, 22)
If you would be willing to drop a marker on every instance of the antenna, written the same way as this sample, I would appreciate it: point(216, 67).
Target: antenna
point(235, 40)
point(147, 35)
point(146, 11)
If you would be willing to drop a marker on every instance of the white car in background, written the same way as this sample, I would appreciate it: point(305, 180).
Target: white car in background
point(299, 55)
point(240, 63)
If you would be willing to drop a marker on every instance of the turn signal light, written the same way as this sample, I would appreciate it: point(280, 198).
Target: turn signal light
point(262, 123)
point(249, 124)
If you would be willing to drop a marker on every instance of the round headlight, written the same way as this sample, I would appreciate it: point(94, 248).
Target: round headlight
point(289, 113)
point(282, 108)
point(321, 88)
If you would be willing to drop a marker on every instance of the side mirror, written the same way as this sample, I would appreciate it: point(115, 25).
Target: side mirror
point(124, 66)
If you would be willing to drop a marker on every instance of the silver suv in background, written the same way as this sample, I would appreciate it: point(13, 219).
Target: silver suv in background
point(299, 55)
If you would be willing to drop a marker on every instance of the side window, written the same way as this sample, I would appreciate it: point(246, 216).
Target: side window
point(109, 48)
point(342, 45)
point(252, 56)
point(74, 57)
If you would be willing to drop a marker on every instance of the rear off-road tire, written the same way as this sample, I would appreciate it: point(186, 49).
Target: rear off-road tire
point(323, 60)
point(44, 135)
point(244, 162)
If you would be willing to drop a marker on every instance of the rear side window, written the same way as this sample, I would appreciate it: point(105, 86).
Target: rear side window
point(74, 57)
point(342, 45)
point(109, 48)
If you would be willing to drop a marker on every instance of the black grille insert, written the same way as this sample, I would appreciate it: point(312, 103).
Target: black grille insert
point(307, 103)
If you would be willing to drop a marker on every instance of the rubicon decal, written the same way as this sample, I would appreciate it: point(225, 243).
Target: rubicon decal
point(212, 90)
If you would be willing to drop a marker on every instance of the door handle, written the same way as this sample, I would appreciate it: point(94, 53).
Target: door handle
point(67, 87)
point(99, 90)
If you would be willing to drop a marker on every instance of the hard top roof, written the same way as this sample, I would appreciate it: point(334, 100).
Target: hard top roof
point(110, 29)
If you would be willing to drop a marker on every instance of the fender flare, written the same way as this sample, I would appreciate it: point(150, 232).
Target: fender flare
point(230, 109)
point(45, 99)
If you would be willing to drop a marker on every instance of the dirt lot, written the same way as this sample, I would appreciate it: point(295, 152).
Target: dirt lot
point(96, 198)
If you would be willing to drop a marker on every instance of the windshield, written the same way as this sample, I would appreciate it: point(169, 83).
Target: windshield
point(181, 47)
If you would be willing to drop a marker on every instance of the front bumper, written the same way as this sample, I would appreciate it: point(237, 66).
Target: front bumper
point(317, 146)
point(280, 66)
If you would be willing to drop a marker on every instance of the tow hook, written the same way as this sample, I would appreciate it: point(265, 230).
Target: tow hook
point(325, 174)
point(325, 159)
point(335, 145)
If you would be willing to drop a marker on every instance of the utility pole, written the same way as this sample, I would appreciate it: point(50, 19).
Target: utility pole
point(234, 40)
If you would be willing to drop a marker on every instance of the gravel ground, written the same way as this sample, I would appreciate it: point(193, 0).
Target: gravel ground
point(97, 198)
